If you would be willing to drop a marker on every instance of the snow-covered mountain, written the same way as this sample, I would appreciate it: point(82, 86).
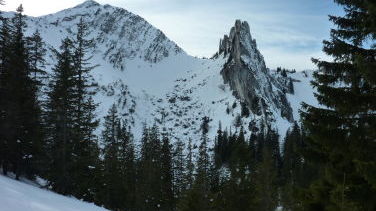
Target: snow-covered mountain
point(152, 80)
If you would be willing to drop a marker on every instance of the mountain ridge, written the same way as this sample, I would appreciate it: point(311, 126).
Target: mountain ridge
point(152, 80)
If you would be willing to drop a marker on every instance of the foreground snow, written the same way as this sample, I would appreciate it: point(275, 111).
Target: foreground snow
point(18, 196)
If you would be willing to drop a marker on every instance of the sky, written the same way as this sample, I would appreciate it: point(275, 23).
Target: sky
point(288, 32)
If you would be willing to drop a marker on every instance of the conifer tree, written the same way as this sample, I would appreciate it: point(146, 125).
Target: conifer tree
point(179, 169)
point(166, 175)
point(214, 177)
point(272, 143)
point(198, 196)
point(202, 182)
point(118, 190)
point(21, 111)
point(128, 167)
point(85, 146)
point(342, 133)
point(36, 59)
point(60, 118)
point(221, 148)
point(259, 145)
point(253, 151)
point(203, 164)
point(73, 146)
point(265, 177)
point(37, 52)
point(236, 191)
point(265, 183)
point(5, 54)
point(84, 81)
point(292, 172)
point(149, 171)
point(190, 166)
point(112, 175)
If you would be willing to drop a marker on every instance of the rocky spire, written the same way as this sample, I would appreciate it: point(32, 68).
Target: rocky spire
point(241, 47)
point(246, 73)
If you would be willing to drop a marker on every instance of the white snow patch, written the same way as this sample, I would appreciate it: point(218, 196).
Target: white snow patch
point(18, 196)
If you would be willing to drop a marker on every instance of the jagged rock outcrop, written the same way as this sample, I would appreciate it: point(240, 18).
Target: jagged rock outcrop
point(246, 73)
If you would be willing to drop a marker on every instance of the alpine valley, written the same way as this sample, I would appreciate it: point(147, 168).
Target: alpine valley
point(98, 105)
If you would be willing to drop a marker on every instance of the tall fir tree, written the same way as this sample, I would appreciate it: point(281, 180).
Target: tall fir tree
point(5, 54)
point(179, 169)
point(203, 164)
point(265, 183)
point(36, 59)
point(128, 167)
point(37, 52)
point(112, 177)
point(73, 79)
point(265, 177)
point(85, 149)
point(292, 172)
point(20, 110)
point(253, 151)
point(190, 166)
point(198, 196)
point(239, 186)
point(166, 175)
point(342, 133)
point(60, 117)
point(149, 171)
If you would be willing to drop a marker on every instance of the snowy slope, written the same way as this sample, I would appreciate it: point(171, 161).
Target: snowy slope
point(152, 80)
point(18, 196)
point(303, 91)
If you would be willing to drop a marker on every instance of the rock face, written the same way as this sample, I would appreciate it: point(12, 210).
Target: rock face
point(248, 77)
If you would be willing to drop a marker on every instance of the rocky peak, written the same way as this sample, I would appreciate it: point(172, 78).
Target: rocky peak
point(88, 4)
point(241, 47)
point(232, 40)
point(119, 34)
point(246, 73)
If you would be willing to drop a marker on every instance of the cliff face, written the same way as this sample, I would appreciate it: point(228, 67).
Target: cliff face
point(248, 77)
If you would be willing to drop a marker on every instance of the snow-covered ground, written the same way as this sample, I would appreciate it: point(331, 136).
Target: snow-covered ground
point(19, 196)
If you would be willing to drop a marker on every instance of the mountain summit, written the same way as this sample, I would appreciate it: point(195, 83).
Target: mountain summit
point(246, 73)
point(87, 4)
point(119, 33)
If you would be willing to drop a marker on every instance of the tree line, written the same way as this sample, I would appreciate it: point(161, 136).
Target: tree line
point(47, 124)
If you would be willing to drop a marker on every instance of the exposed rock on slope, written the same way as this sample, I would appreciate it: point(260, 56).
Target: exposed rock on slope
point(123, 34)
point(247, 75)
